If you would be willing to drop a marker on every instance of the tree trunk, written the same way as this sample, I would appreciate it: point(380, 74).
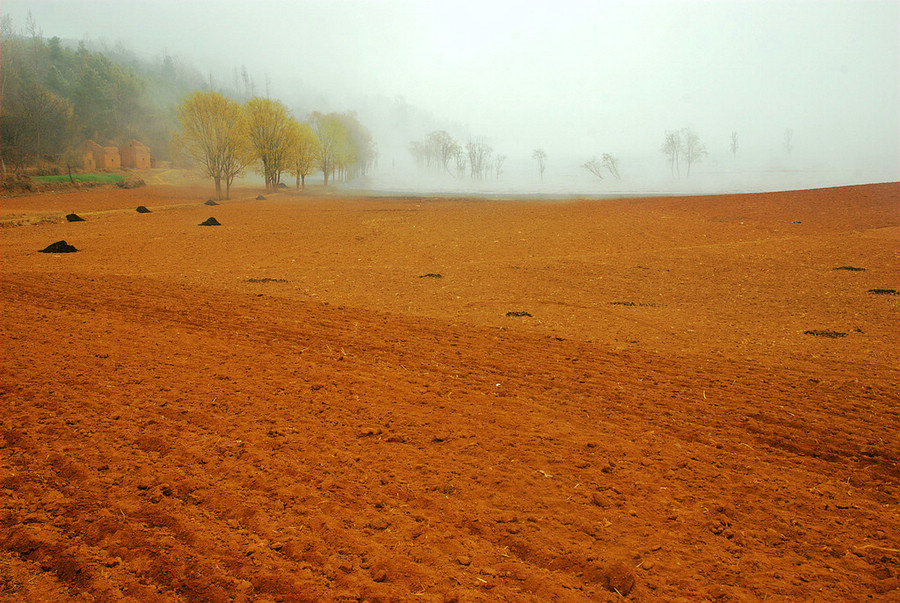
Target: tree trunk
point(218, 188)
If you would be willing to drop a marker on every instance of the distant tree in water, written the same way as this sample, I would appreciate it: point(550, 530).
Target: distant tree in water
point(479, 155)
point(682, 146)
point(788, 141)
point(608, 162)
point(734, 144)
point(672, 148)
point(694, 150)
point(541, 157)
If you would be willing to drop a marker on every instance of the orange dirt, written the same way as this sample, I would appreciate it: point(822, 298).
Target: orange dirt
point(286, 408)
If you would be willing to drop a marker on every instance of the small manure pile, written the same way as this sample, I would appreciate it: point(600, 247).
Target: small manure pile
point(828, 334)
point(210, 222)
point(59, 247)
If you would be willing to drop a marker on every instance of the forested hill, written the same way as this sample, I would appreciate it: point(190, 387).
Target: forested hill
point(57, 94)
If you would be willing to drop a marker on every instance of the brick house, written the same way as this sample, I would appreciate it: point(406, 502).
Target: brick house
point(135, 154)
point(100, 158)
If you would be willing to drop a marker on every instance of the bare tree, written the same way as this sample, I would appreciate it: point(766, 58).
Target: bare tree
point(419, 152)
point(479, 159)
point(611, 162)
point(694, 150)
point(734, 144)
point(788, 141)
point(672, 148)
point(594, 167)
point(461, 160)
point(541, 157)
point(444, 148)
point(498, 165)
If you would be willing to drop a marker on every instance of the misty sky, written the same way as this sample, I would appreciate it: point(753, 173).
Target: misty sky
point(577, 78)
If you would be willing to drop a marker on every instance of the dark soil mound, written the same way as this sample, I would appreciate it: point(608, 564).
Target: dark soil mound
point(631, 304)
point(260, 198)
point(142, 210)
point(210, 222)
point(210, 202)
point(518, 314)
point(266, 280)
point(850, 268)
point(829, 334)
point(59, 247)
point(431, 275)
point(884, 292)
point(74, 218)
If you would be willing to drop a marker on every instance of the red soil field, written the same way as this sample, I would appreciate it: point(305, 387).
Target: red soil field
point(336, 398)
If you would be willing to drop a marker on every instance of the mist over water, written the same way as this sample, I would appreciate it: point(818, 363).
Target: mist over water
point(576, 79)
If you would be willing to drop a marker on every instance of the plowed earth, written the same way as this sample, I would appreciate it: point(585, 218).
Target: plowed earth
point(583, 401)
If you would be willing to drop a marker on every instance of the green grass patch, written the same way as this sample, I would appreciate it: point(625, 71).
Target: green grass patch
point(104, 178)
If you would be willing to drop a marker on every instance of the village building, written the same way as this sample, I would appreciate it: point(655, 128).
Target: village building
point(96, 157)
point(135, 155)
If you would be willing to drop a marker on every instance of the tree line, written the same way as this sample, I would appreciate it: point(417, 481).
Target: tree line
point(441, 152)
point(56, 95)
point(225, 138)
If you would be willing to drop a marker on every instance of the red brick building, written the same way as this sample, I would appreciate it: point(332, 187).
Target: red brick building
point(100, 158)
point(135, 154)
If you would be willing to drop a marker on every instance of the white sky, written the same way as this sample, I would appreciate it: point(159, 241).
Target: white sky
point(583, 77)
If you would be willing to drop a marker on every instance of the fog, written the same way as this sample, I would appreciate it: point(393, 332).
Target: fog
point(576, 79)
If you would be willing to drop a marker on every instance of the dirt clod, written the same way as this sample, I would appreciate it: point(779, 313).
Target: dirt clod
point(59, 247)
point(825, 333)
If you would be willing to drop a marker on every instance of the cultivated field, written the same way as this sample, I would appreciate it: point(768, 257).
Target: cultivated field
point(377, 399)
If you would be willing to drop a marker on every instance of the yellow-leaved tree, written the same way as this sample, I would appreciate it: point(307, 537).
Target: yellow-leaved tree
point(330, 134)
point(307, 158)
point(274, 136)
point(213, 132)
point(346, 148)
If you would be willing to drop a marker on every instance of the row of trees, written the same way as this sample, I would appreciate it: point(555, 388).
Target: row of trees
point(225, 138)
point(440, 152)
point(682, 148)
